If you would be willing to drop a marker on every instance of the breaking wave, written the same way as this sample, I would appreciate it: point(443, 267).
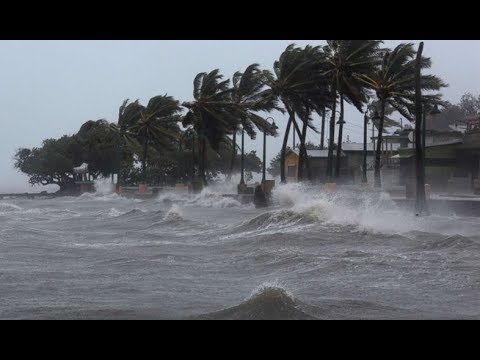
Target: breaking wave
point(206, 198)
point(276, 220)
point(267, 303)
point(7, 207)
point(452, 242)
point(174, 214)
point(365, 210)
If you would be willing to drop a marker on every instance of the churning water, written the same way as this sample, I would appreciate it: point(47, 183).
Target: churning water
point(309, 256)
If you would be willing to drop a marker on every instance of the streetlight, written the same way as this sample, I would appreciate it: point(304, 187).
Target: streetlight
point(364, 170)
point(273, 127)
point(242, 159)
point(193, 155)
point(375, 118)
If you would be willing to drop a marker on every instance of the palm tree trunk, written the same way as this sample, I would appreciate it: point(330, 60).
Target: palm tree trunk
point(203, 156)
point(179, 170)
point(299, 133)
point(331, 140)
point(300, 161)
point(340, 140)
point(378, 152)
point(421, 201)
point(322, 139)
point(193, 157)
point(303, 151)
point(242, 159)
point(144, 161)
point(120, 154)
point(283, 152)
point(234, 154)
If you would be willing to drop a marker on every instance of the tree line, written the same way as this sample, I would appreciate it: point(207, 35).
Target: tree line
point(199, 137)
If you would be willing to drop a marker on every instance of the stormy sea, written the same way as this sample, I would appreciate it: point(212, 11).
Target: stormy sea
point(311, 255)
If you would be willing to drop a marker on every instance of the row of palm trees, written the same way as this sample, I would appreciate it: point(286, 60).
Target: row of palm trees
point(304, 81)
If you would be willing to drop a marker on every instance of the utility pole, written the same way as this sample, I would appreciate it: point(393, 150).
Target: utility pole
point(365, 119)
point(421, 202)
point(323, 130)
point(242, 162)
point(373, 135)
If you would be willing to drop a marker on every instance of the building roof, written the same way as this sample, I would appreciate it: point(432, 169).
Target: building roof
point(318, 153)
point(351, 146)
point(446, 142)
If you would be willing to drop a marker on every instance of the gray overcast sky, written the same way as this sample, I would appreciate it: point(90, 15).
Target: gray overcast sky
point(50, 88)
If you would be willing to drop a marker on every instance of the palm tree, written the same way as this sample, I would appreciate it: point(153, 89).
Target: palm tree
point(294, 81)
point(345, 60)
point(212, 114)
point(373, 109)
point(128, 114)
point(249, 95)
point(313, 96)
point(323, 113)
point(394, 83)
point(153, 125)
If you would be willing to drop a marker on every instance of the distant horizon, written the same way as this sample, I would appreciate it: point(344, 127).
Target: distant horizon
point(50, 88)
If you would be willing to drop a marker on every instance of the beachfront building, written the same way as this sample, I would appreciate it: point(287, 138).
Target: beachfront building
point(452, 160)
point(317, 162)
point(351, 164)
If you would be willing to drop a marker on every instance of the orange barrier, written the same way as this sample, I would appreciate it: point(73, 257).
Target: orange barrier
point(330, 187)
point(142, 188)
point(181, 188)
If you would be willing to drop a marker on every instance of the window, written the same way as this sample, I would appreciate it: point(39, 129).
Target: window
point(292, 171)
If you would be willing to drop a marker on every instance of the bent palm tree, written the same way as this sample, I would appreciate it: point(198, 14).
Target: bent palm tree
point(212, 114)
point(394, 83)
point(294, 82)
point(128, 114)
point(345, 60)
point(250, 97)
point(153, 125)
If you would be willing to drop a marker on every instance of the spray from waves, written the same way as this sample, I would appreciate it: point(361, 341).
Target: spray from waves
point(209, 197)
point(229, 186)
point(363, 210)
point(267, 302)
point(102, 197)
point(170, 196)
point(104, 186)
point(7, 207)
point(175, 214)
point(104, 191)
point(113, 212)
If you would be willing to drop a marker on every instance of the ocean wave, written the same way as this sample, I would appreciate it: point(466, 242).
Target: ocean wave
point(268, 303)
point(208, 197)
point(364, 210)
point(275, 220)
point(452, 242)
point(7, 207)
point(174, 214)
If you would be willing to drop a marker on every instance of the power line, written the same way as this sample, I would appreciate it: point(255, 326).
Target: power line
point(352, 124)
